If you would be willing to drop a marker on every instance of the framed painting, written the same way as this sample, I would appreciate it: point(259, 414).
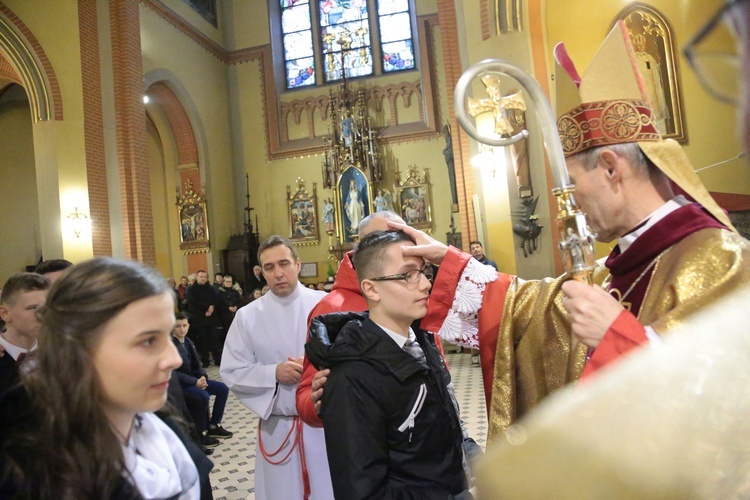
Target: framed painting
point(309, 270)
point(413, 199)
point(193, 217)
point(354, 203)
point(303, 217)
point(654, 46)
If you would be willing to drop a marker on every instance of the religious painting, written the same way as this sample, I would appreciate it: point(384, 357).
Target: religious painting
point(383, 200)
point(206, 9)
point(413, 199)
point(309, 270)
point(303, 218)
point(354, 203)
point(193, 217)
point(653, 43)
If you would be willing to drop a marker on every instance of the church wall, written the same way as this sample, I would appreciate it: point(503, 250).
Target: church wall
point(200, 81)
point(495, 181)
point(59, 145)
point(192, 17)
point(268, 179)
point(711, 125)
point(21, 245)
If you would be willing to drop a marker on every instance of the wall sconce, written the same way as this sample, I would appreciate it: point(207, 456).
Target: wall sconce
point(78, 221)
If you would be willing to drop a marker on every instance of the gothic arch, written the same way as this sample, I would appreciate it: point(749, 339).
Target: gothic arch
point(165, 91)
point(22, 51)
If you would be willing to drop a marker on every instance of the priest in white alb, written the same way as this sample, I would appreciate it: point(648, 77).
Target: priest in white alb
point(262, 365)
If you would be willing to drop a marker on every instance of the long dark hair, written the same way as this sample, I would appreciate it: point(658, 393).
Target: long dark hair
point(80, 455)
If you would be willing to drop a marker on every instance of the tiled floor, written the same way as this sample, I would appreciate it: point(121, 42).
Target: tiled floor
point(234, 459)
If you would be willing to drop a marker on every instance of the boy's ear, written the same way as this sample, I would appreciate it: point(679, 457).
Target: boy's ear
point(4, 314)
point(369, 290)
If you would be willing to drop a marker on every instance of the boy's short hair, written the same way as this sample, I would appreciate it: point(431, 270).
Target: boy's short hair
point(181, 315)
point(369, 255)
point(52, 266)
point(21, 283)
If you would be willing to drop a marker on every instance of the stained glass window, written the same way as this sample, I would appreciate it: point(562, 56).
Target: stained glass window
point(345, 36)
point(296, 27)
point(337, 32)
point(396, 47)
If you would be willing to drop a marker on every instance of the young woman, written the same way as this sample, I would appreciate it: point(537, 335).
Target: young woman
point(81, 424)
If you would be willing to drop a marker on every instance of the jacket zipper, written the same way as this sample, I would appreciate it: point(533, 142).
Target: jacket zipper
point(409, 422)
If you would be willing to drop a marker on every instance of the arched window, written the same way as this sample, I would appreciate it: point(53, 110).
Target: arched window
point(341, 32)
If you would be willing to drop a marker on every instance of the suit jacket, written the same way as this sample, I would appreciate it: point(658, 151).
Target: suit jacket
point(191, 369)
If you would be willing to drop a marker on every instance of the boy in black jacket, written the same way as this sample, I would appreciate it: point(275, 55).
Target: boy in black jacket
point(195, 384)
point(391, 424)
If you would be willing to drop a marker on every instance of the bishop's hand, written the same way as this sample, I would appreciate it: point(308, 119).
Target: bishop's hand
point(426, 246)
point(591, 311)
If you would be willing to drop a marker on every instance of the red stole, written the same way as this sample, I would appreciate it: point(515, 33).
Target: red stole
point(633, 268)
point(626, 268)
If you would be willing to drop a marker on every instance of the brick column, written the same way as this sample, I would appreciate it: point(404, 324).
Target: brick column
point(93, 132)
point(135, 191)
point(461, 151)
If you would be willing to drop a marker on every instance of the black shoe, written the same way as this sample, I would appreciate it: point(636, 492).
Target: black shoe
point(218, 431)
point(207, 451)
point(208, 441)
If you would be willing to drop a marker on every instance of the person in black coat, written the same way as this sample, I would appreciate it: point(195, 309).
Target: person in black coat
point(196, 384)
point(228, 301)
point(201, 302)
point(391, 420)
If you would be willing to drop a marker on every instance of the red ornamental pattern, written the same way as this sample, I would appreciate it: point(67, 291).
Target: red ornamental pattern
point(606, 122)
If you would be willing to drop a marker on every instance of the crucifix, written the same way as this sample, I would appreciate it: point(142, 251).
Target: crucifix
point(509, 113)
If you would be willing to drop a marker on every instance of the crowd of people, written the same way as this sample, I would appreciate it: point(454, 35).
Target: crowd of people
point(104, 392)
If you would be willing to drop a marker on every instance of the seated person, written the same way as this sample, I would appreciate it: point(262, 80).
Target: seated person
point(391, 422)
point(195, 383)
point(21, 295)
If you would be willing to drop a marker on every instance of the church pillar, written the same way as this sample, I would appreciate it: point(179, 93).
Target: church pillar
point(461, 151)
point(96, 167)
point(135, 192)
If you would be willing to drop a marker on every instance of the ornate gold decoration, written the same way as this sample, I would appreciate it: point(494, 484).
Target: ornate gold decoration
point(193, 216)
point(498, 104)
point(576, 240)
point(303, 214)
point(654, 47)
point(606, 122)
point(413, 199)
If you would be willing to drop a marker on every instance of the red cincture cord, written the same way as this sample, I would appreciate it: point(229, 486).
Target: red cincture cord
point(298, 444)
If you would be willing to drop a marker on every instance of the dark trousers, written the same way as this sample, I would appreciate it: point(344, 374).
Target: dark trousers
point(215, 388)
point(206, 343)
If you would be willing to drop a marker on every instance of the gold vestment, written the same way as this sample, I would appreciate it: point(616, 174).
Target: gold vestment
point(534, 358)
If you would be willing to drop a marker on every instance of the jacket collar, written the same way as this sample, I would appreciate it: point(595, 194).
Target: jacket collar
point(339, 337)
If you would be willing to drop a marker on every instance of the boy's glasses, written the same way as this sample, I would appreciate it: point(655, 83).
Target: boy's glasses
point(410, 277)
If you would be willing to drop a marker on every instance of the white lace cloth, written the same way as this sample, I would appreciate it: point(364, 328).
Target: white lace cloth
point(460, 325)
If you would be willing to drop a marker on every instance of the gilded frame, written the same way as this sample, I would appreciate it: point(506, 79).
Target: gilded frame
point(192, 215)
point(308, 270)
point(361, 193)
point(413, 199)
point(654, 45)
point(303, 214)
